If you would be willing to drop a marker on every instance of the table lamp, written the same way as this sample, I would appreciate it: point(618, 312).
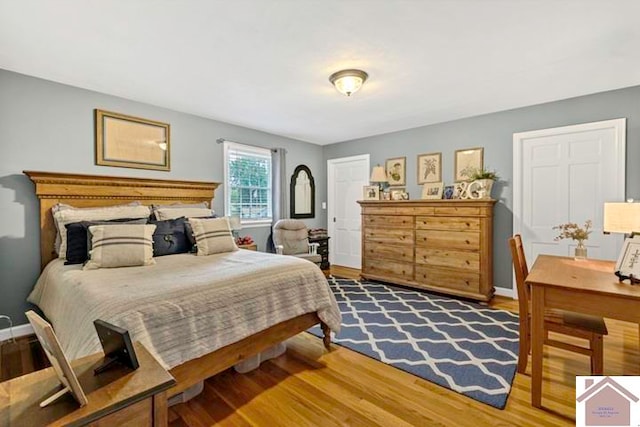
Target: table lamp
point(621, 218)
point(378, 176)
point(236, 225)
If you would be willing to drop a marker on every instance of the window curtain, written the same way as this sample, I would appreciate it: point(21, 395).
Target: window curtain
point(278, 190)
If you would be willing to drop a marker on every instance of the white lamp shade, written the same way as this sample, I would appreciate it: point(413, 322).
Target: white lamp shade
point(378, 174)
point(234, 223)
point(621, 217)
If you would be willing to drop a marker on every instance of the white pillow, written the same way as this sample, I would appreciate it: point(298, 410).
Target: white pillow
point(163, 214)
point(213, 235)
point(126, 245)
point(67, 216)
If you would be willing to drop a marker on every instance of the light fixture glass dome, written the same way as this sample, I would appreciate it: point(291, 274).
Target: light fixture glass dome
point(348, 81)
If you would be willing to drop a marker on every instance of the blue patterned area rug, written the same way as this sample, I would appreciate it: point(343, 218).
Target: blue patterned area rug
point(459, 345)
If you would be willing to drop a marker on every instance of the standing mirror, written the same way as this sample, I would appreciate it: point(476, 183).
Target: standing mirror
point(303, 193)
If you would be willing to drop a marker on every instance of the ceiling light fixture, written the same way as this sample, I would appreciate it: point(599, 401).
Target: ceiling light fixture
point(348, 81)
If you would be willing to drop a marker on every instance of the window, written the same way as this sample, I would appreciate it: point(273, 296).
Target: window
point(247, 183)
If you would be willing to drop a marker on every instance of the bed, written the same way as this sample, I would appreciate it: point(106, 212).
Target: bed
point(264, 287)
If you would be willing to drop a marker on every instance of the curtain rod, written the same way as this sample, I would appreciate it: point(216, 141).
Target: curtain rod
point(221, 140)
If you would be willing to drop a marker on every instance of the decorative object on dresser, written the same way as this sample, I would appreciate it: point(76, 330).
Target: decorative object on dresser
point(467, 162)
point(399, 194)
point(396, 171)
point(440, 245)
point(303, 193)
point(481, 184)
point(131, 142)
point(378, 176)
point(138, 397)
point(323, 250)
point(370, 192)
point(628, 264)
point(429, 168)
point(432, 191)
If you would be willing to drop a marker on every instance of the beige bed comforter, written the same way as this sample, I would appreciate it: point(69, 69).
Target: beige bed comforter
point(184, 306)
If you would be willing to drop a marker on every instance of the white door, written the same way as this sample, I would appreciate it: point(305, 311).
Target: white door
point(345, 178)
point(565, 175)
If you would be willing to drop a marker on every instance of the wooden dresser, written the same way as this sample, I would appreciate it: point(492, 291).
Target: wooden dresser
point(439, 245)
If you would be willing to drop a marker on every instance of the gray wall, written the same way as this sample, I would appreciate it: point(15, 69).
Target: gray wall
point(49, 127)
point(494, 132)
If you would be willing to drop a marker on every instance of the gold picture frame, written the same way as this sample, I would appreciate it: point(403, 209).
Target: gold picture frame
point(432, 191)
point(467, 162)
point(429, 168)
point(131, 142)
point(396, 169)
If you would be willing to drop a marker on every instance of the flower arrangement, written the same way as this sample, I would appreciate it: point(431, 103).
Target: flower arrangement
point(573, 231)
point(483, 173)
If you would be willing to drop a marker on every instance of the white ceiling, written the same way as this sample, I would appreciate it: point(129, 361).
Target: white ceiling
point(265, 64)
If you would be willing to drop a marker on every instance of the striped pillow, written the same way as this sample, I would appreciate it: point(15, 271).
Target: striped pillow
point(66, 216)
point(126, 245)
point(213, 235)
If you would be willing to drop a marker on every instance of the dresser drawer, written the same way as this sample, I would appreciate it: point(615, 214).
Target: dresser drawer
point(386, 268)
point(451, 279)
point(448, 258)
point(388, 210)
point(391, 252)
point(396, 221)
point(389, 235)
point(457, 211)
point(469, 240)
point(447, 223)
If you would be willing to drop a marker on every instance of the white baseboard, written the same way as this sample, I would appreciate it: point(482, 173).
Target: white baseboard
point(18, 331)
point(504, 292)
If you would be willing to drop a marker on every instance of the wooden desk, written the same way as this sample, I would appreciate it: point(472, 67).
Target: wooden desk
point(116, 397)
point(584, 286)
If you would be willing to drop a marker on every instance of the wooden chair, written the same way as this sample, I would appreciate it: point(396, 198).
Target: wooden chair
point(564, 322)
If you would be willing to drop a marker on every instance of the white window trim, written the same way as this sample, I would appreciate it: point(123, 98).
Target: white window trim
point(227, 145)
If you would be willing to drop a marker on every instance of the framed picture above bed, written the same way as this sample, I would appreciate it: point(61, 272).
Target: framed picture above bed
point(131, 142)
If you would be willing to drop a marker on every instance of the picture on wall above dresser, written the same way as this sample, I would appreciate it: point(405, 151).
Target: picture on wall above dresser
point(396, 169)
point(429, 168)
point(467, 162)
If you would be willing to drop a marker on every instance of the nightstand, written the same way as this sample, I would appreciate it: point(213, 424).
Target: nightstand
point(251, 247)
point(323, 250)
point(114, 397)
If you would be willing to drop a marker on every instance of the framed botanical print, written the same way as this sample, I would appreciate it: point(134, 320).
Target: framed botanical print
point(396, 171)
point(429, 168)
point(467, 162)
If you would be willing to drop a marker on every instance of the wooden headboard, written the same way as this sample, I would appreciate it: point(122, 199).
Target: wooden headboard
point(95, 190)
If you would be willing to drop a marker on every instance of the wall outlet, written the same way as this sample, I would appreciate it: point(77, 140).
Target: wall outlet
point(324, 205)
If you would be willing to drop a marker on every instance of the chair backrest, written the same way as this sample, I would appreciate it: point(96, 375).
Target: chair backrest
point(292, 235)
point(521, 272)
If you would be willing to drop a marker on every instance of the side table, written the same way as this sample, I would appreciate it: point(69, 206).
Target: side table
point(323, 250)
point(115, 397)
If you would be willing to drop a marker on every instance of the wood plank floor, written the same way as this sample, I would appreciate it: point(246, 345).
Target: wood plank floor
point(308, 386)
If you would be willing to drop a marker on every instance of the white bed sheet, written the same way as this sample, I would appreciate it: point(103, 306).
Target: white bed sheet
point(184, 306)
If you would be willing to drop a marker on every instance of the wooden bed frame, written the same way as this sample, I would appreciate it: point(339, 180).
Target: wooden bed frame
point(94, 191)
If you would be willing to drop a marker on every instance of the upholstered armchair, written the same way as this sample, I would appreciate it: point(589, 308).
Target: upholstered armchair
point(290, 237)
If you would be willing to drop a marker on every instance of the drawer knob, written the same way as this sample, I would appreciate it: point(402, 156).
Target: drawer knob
point(467, 262)
point(467, 242)
point(468, 225)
